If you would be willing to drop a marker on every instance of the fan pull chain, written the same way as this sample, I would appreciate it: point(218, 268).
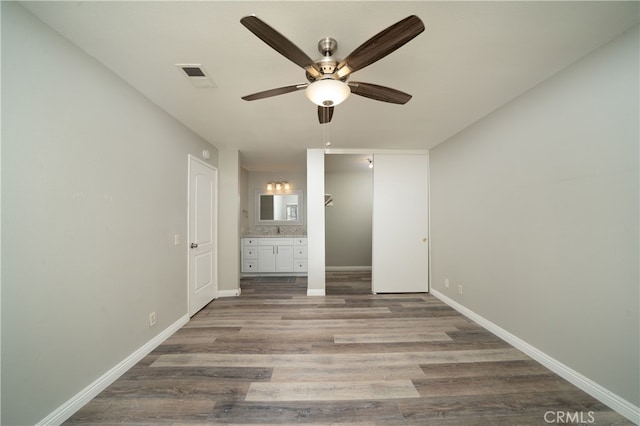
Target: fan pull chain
point(325, 138)
point(324, 134)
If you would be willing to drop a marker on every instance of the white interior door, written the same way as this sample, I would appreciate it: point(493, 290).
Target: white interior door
point(203, 203)
point(400, 256)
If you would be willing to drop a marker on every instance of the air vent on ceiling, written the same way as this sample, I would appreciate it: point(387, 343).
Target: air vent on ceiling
point(197, 76)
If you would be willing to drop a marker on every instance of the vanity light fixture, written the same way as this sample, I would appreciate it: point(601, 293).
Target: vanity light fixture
point(278, 186)
point(370, 163)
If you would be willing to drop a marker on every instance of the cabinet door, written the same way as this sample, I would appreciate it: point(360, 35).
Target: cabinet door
point(266, 259)
point(250, 252)
point(284, 259)
point(300, 265)
point(300, 252)
point(250, 265)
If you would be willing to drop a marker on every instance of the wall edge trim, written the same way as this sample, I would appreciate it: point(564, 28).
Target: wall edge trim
point(612, 400)
point(229, 293)
point(66, 410)
point(347, 268)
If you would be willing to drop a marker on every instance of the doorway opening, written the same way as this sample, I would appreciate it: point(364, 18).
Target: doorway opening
point(348, 222)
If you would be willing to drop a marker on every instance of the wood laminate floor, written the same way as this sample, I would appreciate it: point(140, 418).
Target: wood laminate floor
point(275, 356)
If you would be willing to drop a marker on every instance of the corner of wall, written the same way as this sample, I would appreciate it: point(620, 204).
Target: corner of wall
point(229, 222)
point(315, 220)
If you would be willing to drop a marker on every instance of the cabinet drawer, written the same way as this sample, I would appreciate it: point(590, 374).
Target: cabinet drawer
point(275, 241)
point(250, 252)
point(249, 241)
point(300, 252)
point(299, 265)
point(250, 266)
point(299, 241)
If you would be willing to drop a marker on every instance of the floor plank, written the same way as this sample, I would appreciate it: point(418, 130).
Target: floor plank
point(276, 356)
point(346, 360)
point(386, 372)
point(352, 390)
point(392, 338)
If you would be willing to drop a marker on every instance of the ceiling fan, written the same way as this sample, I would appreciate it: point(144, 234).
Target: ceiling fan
point(327, 77)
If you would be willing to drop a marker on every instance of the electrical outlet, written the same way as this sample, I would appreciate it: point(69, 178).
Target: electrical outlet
point(446, 282)
point(152, 319)
point(459, 288)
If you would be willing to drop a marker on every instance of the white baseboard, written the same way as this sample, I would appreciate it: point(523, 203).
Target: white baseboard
point(273, 274)
point(315, 292)
point(347, 268)
point(622, 406)
point(67, 409)
point(229, 293)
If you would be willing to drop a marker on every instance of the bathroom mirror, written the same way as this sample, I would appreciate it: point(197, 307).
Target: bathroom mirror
point(281, 208)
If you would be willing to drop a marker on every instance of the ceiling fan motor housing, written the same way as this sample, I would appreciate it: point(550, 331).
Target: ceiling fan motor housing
point(327, 46)
point(327, 66)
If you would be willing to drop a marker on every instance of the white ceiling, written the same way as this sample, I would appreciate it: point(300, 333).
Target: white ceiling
point(472, 58)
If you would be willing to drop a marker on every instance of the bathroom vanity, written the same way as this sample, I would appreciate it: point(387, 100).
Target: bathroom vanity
point(277, 244)
point(273, 255)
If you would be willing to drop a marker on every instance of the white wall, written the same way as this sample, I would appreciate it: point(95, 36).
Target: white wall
point(244, 200)
point(229, 223)
point(0, 234)
point(348, 221)
point(316, 284)
point(535, 213)
point(94, 187)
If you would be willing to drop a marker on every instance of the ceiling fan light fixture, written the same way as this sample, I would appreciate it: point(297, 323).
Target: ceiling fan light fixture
point(327, 92)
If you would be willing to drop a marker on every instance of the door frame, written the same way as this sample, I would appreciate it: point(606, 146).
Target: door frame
point(192, 158)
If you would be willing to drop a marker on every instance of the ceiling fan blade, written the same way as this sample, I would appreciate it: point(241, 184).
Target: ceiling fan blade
point(275, 92)
point(380, 45)
point(281, 44)
point(379, 93)
point(325, 114)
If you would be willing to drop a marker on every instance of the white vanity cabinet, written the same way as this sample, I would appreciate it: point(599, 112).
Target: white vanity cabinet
point(250, 255)
point(300, 255)
point(274, 255)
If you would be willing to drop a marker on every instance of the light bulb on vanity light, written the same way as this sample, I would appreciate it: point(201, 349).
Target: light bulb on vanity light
point(370, 163)
point(269, 186)
point(287, 186)
point(278, 186)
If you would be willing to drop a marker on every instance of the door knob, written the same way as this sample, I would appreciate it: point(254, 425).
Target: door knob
point(194, 245)
point(424, 240)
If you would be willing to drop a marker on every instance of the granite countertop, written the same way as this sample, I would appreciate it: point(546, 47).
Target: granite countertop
point(272, 232)
point(275, 236)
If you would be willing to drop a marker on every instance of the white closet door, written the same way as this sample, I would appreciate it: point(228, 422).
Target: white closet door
point(400, 223)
